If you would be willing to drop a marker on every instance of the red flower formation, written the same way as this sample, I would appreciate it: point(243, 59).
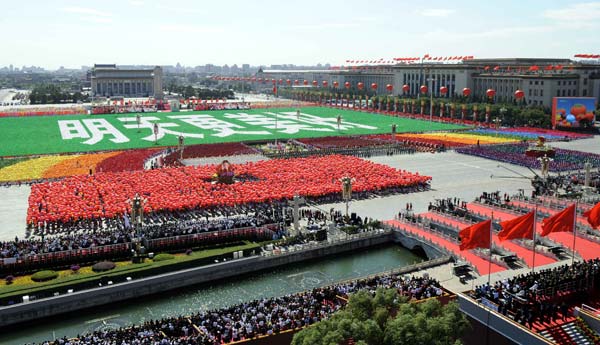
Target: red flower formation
point(105, 194)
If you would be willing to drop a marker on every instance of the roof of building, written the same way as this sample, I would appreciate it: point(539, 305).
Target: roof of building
point(302, 71)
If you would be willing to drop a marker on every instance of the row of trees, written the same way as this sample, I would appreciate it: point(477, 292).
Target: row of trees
point(53, 94)
point(388, 319)
point(510, 114)
point(202, 93)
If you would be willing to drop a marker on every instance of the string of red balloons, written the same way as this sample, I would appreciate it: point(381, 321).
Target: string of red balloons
point(490, 93)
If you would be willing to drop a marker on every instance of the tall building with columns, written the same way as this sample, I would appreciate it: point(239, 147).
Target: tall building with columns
point(108, 80)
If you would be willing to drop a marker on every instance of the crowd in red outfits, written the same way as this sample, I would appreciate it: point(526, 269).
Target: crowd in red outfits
point(126, 161)
point(105, 195)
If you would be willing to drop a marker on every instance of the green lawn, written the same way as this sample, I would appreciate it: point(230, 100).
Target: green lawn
point(24, 285)
point(86, 133)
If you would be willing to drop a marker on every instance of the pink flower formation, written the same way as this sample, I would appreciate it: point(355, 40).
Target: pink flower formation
point(105, 195)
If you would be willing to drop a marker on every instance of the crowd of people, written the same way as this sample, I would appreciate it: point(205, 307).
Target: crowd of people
point(363, 152)
point(564, 160)
point(204, 105)
point(565, 184)
point(94, 232)
point(105, 195)
point(364, 146)
point(260, 317)
point(493, 198)
point(447, 205)
point(532, 297)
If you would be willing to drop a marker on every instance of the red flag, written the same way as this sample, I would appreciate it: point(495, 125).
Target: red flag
point(476, 235)
point(593, 215)
point(563, 221)
point(520, 227)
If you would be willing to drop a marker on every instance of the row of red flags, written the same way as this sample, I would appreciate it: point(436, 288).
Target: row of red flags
point(478, 235)
point(411, 59)
point(587, 56)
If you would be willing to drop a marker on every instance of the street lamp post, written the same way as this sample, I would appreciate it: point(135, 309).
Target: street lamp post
point(496, 122)
point(431, 80)
point(346, 191)
point(155, 134)
point(180, 144)
point(503, 111)
point(137, 217)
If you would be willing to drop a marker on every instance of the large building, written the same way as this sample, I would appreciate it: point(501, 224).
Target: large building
point(110, 81)
point(540, 79)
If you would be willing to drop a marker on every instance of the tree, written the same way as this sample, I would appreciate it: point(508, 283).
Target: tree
point(388, 319)
point(534, 117)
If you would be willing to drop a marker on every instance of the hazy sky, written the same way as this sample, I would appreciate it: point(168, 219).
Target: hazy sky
point(51, 33)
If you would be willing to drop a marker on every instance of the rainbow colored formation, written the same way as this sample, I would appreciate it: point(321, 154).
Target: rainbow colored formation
point(49, 167)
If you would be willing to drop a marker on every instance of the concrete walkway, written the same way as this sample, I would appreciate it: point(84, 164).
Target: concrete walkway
point(13, 211)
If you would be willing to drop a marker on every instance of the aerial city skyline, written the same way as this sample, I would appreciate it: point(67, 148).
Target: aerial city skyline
point(306, 173)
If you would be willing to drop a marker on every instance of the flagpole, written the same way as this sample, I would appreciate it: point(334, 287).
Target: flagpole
point(490, 261)
point(534, 227)
point(574, 232)
point(487, 326)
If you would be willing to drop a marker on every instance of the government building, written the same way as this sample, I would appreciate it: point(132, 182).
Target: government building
point(108, 80)
point(540, 79)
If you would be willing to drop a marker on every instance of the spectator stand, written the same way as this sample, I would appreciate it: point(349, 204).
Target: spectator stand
point(264, 319)
point(543, 301)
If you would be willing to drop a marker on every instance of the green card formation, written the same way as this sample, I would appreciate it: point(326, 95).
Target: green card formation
point(86, 133)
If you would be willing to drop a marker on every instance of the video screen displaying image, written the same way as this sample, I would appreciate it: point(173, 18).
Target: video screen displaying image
point(573, 111)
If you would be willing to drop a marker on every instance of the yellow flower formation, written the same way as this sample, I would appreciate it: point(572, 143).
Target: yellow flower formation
point(53, 166)
point(464, 138)
point(31, 169)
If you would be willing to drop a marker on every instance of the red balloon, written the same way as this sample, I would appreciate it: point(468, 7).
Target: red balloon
point(443, 90)
point(315, 83)
point(374, 86)
point(490, 93)
point(347, 84)
point(325, 83)
point(405, 88)
point(336, 84)
point(360, 85)
point(466, 92)
point(289, 82)
point(305, 82)
point(389, 87)
point(423, 88)
point(519, 94)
